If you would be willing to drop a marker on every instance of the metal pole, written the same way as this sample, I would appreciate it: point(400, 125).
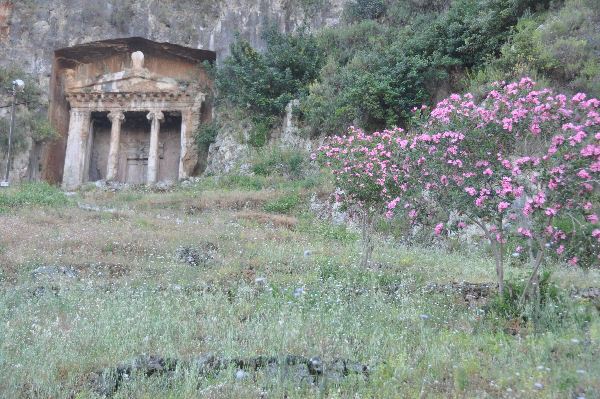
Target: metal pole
point(12, 127)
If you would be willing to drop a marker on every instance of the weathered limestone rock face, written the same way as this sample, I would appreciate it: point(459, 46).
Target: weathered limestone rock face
point(133, 123)
point(30, 32)
point(229, 153)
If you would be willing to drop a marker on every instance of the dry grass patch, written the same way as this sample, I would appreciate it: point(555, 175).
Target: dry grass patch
point(269, 220)
point(233, 200)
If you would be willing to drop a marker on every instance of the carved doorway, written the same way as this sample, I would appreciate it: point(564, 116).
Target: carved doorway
point(133, 148)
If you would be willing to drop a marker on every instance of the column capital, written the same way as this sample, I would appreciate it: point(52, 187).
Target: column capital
point(116, 115)
point(158, 115)
point(78, 111)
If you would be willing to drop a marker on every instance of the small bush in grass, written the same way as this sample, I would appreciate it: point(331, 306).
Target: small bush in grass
point(367, 178)
point(506, 304)
point(284, 204)
point(286, 162)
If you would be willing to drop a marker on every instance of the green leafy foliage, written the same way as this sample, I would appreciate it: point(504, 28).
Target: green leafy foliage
point(358, 10)
point(265, 83)
point(275, 161)
point(548, 308)
point(392, 56)
point(376, 73)
point(205, 135)
point(284, 204)
point(31, 118)
point(260, 132)
point(558, 48)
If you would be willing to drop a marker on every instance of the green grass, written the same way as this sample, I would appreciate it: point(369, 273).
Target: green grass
point(32, 194)
point(418, 341)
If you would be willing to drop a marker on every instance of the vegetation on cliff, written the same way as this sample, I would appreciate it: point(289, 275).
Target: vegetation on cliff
point(388, 57)
point(31, 113)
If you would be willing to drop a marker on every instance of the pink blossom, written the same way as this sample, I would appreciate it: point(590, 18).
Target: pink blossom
point(392, 204)
point(500, 239)
point(488, 172)
point(560, 249)
point(584, 174)
point(573, 261)
point(438, 229)
point(593, 218)
point(525, 232)
point(503, 205)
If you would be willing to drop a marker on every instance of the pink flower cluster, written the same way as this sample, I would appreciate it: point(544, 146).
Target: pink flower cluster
point(365, 168)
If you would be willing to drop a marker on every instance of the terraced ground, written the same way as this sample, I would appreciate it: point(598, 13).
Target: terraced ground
point(224, 279)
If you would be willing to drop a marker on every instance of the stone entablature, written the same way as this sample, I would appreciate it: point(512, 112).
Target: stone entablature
point(134, 89)
point(131, 101)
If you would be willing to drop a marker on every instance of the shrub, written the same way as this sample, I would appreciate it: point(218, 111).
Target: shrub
point(558, 47)
point(259, 134)
point(265, 83)
point(244, 182)
point(276, 161)
point(31, 118)
point(205, 135)
point(367, 179)
point(365, 9)
point(524, 158)
point(283, 204)
point(549, 310)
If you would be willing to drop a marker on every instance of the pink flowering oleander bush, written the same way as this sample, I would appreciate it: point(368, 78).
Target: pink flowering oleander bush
point(522, 163)
point(367, 175)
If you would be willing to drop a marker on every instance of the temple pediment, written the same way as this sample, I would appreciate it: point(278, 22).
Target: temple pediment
point(132, 89)
point(136, 79)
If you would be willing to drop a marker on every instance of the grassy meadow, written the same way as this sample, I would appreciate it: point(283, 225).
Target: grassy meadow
point(282, 281)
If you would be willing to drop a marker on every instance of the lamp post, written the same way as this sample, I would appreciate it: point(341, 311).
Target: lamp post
point(17, 85)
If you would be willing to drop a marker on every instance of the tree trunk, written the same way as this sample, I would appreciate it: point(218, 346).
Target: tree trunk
point(367, 237)
point(534, 274)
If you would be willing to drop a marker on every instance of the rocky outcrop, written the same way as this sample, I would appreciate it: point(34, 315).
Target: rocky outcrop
point(230, 151)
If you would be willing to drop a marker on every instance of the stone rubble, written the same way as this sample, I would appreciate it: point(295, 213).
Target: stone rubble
point(198, 256)
point(302, 371)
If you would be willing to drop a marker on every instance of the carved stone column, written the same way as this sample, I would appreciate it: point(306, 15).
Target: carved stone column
point(155, 117)
point(116, 117)
point(79, 124)
point(190, 120)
